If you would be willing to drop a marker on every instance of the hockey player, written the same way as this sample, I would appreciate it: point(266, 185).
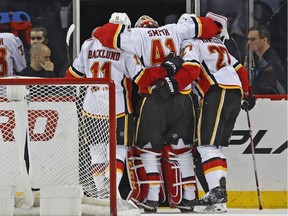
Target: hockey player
point(162, 120)
point(12, 55)
point(221, 84)
point(95, 60)
point(178, 116)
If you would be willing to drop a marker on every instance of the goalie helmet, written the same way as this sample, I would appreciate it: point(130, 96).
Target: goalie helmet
point(146, 22)
point(120, 18)
point(222, 20)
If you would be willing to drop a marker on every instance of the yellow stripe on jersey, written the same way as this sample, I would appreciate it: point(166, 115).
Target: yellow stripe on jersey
point(231, 87)
point(126, 130)
point(116, 36)
point(238, 67)
point(128, 96)
point(188, 91)
point(199, 27)
point(138, 121)
point(139, 76)
point(74, 73)
point(120, 115)
point(191, 63)
point(199, 126)
point(200, 89)
point(84, 113)
point(207, 76)
point(218, 117)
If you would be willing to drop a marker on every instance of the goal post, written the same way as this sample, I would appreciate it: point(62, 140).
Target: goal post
point(67, 127)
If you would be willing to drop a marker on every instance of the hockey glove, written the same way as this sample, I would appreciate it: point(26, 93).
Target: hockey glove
point(249, 100)
point(164, 89)
point(172, 64)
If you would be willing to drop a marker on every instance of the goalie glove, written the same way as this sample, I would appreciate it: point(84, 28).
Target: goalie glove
point(164, 88)
point(249, 100)
point(172, 64)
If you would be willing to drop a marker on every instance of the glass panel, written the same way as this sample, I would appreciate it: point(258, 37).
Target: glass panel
point(273, 16)
point(19, 17)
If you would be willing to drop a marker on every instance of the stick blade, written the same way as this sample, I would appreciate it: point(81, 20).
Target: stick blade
point(69, 33)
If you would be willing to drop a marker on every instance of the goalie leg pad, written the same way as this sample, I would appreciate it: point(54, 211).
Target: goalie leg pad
point(173, 177)
point(179, 168)
point(136, 174)
point(146, 175)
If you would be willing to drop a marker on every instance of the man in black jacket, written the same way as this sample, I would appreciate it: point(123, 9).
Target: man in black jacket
point(41, 65)
point(269, 75)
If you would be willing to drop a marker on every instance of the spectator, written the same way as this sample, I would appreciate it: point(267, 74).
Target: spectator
point(12, 55)
point(268, 73)
point(40, 65)
point(40, 35)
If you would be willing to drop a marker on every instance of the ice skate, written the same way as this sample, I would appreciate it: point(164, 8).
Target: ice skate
point(214, 196)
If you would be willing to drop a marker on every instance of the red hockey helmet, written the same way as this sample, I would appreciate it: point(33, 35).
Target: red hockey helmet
point(146, 22)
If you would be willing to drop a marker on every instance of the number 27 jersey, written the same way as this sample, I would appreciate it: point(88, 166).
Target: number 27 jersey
point(217, 66)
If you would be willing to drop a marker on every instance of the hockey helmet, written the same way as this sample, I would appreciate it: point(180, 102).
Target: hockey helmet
point(146, 22)
point(120, 18)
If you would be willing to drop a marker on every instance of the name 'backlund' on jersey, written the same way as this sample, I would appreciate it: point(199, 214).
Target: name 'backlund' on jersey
point(99, 53)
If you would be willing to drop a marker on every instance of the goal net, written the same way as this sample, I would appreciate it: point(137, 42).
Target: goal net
point(59, 132)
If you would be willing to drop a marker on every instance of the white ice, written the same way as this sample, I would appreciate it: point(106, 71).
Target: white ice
point(230, 212)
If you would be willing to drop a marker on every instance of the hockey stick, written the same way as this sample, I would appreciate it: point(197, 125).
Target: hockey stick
point(254, 160)
point(68, 35)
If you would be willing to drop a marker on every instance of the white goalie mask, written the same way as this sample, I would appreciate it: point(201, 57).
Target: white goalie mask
point(223, 21)
point(120, 18)
point(186, 18)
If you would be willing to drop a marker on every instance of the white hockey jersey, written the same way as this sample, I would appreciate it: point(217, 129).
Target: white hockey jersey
point(12, 56)
point(218, 67)
point(95, 60)
point(152, 45)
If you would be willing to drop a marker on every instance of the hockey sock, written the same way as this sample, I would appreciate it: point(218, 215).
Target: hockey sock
point(99, 166)
point(121, 152)
point(224, 162)
point(212, 164)
point(151, 165)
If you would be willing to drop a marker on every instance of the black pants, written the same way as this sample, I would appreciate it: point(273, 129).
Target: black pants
point(218, 115)
point(166, 122)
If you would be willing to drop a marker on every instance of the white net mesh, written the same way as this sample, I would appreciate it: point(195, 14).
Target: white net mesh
point(67, 145)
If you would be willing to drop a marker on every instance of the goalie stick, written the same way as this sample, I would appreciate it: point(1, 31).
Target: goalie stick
point(68, 35)
point(254, 160)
